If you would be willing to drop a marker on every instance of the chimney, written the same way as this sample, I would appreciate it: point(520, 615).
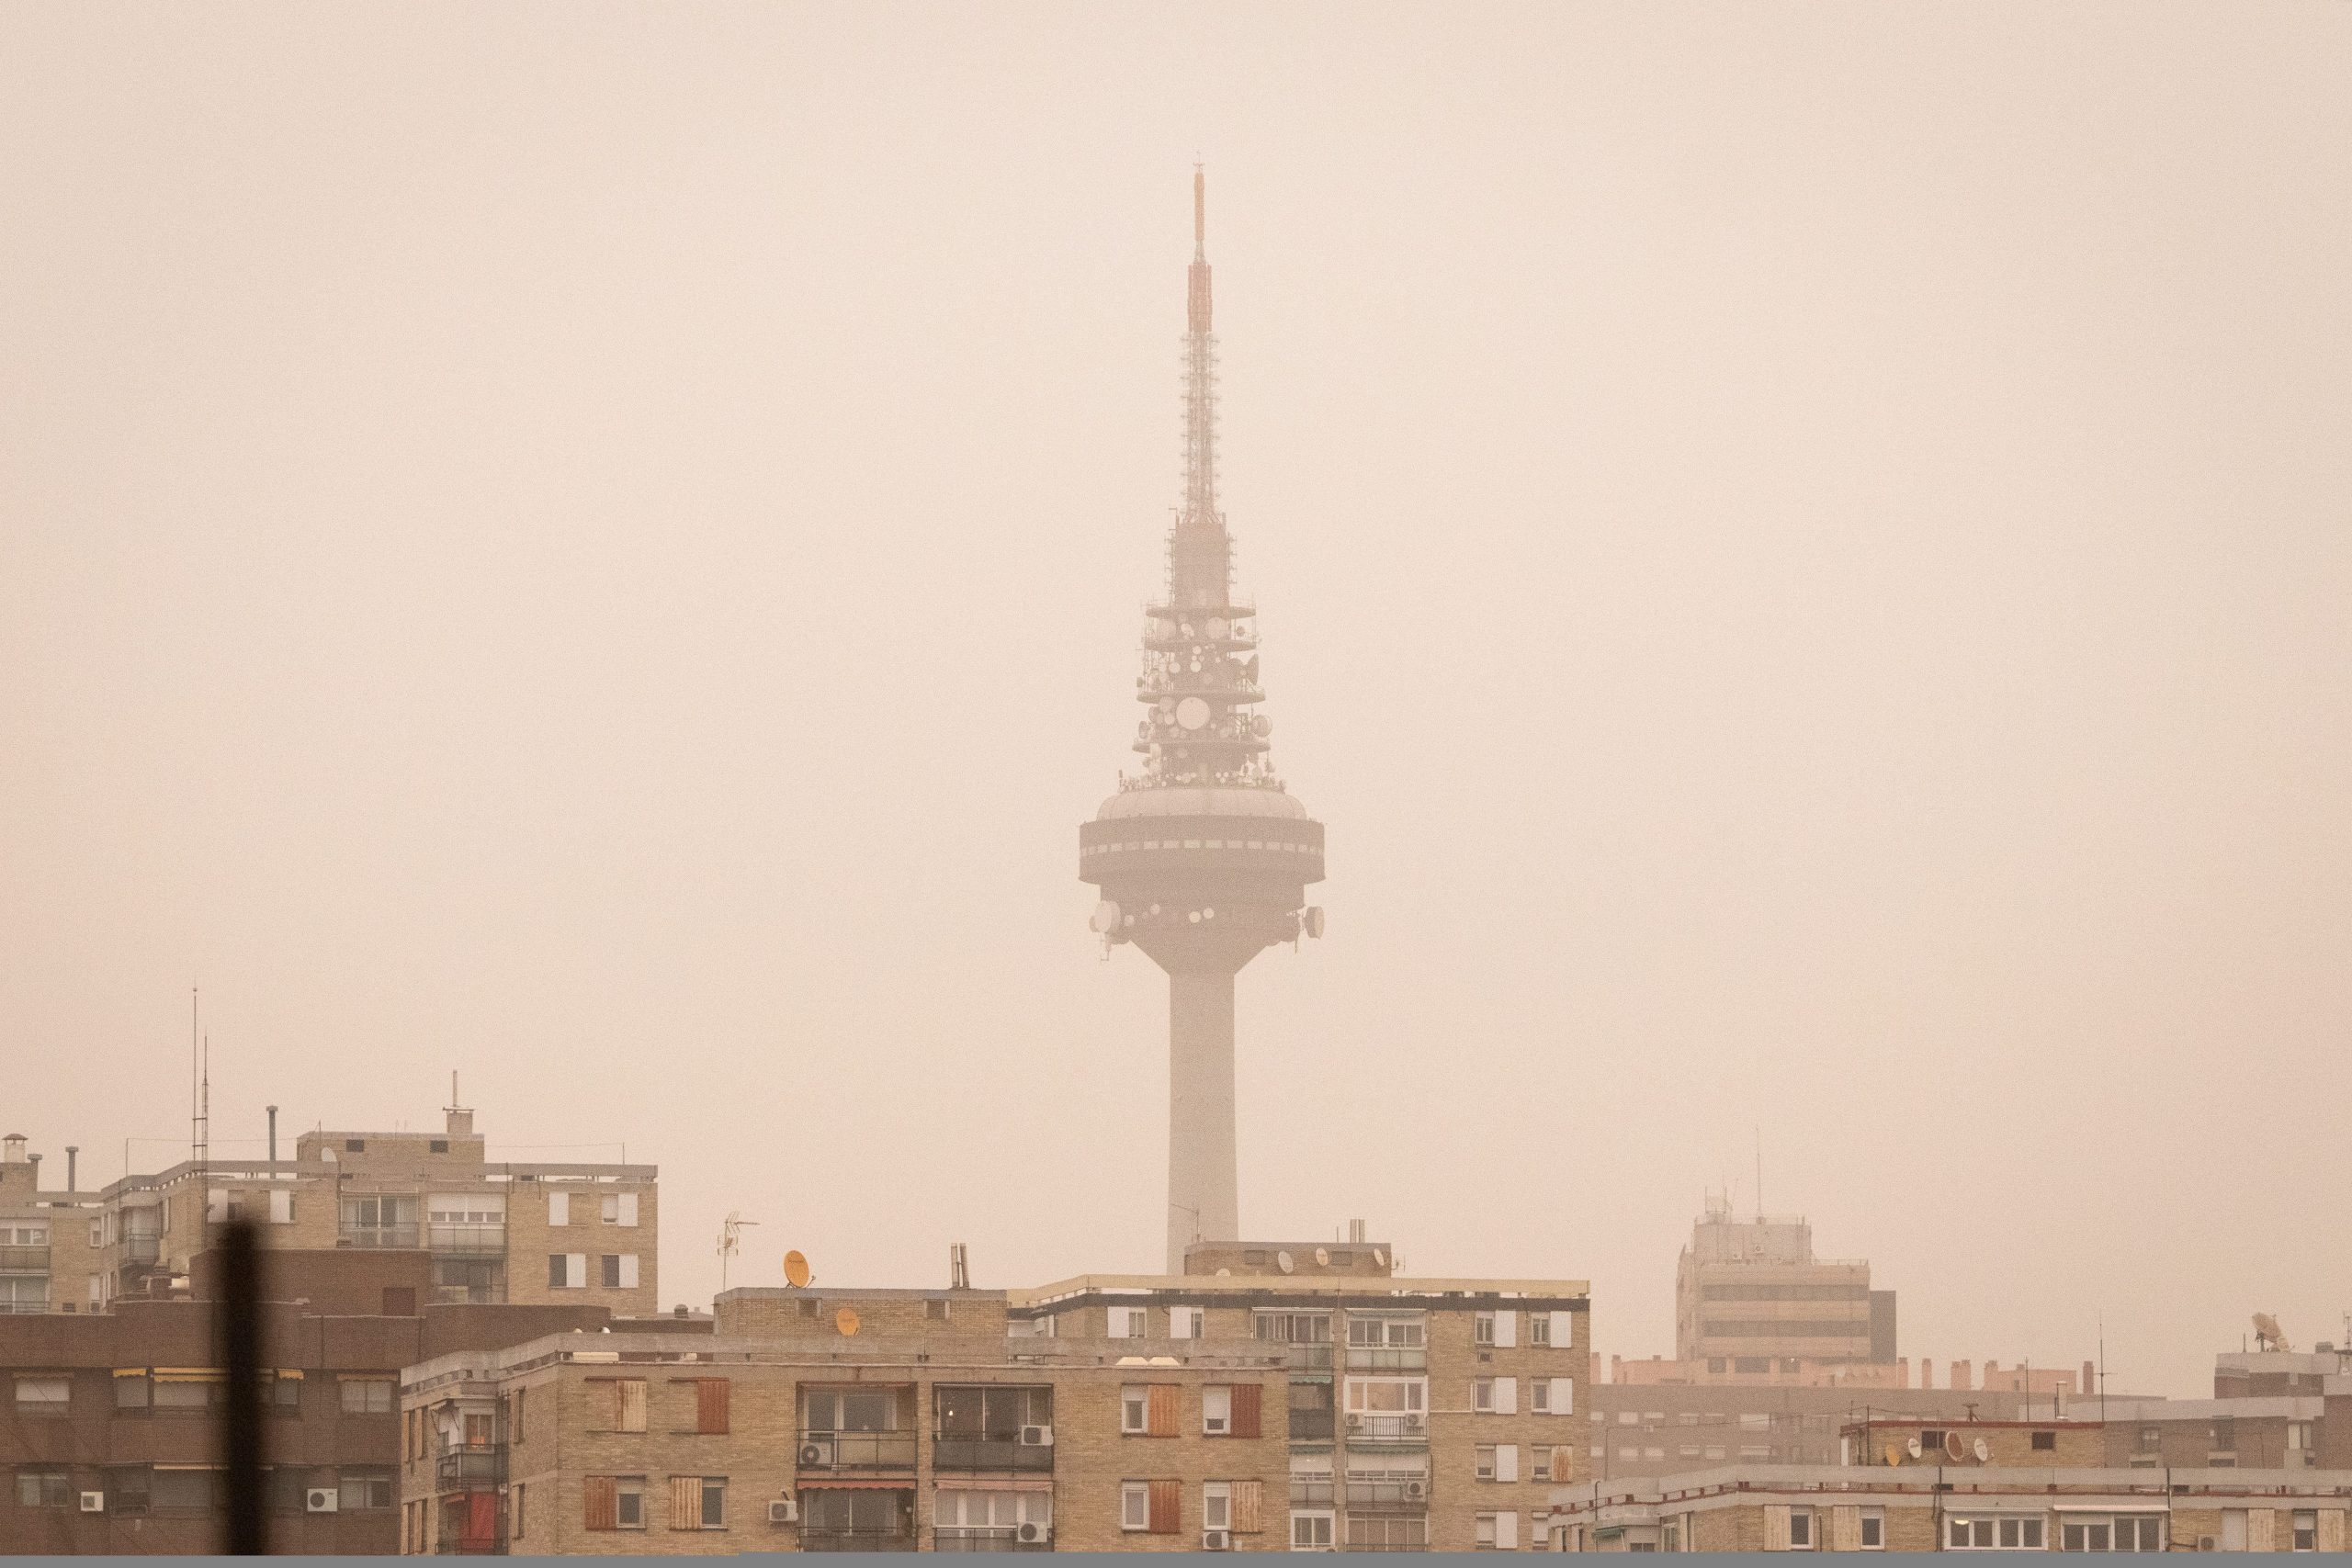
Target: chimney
point(35, 1161)
point(1960, 1378)
point(71, 1151)
point(2089, 1387)
point(1355, 1231)
point(1926, 1371)
point(12, 1149)
point(959, 1270)
point(273, 1134)
point(461, 1121)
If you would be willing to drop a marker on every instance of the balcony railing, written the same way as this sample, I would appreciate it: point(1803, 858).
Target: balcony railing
point(24, 1260)
point(141, 1248)
point(963, 1451)
point(857, 1450)
point(458, 1241)
point(857, 1540)
point(1310, 1426)
point(22, 1307)
point(1388, 1358)
point(1315, 1356)
point(379, 1236)
point(1311, 1494)
point(1389, 1428)
point(997, 1538)
point(472, 1467)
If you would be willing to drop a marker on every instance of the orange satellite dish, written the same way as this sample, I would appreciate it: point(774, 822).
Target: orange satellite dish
point(796, 1271)
point(846, 1321)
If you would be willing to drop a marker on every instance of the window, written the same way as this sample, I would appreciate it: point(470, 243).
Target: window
point(361, 1489)
point(610, 1274)
point(366, 1396)
point(1539, 1395)
point(1153, 1505)
point(1539, 1328)
point(436, 1146)
point(50, 1395)
point(355, 1145)
point(623, 1404)
point(1981, 1533)
point(185, 1490)
point(1135, 1505)
point(1482, 1394)
point(516, 1515)
point(1134, 1405)
point(1129, 1323)
point(1800, 1529)
point(1874, 1529)
point(2046, 1440)
point(2305, 1526)
point(698, 1502)
point(1310, 1532)
point(1367, 1332)
point(1482, 1328)
point(2151, 1438)
point(616, 1502)
point(1539, 1463)
point(1216, 1505)
point(567, 1270)
point(935, 1308)
point(44, 1489)
point(1485, 1532)
point(1216, 1411)
point(711, 1409)
point(1185, 1323)
point(1483, 1462)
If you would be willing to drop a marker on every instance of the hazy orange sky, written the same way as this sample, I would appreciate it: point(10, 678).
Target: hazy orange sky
point(1803, 555)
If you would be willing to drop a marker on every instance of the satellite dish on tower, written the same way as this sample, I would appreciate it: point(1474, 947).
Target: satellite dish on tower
point(1192, 712)
point(796, 1271)
point(1216, 629)
point(1105, 918)
point(1284, 1262)
point(1380, 1257)
point(1313, 920)
point(2267, 1332)
point(1984, 1450)
point(1261, 726)
point(846, 1321)
point(1953, 1451)
point(1914, 1449)
point(1893, 1454)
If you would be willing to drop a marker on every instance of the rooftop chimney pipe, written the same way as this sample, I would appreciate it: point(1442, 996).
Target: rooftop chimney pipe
point(273, 1134)
point(71, 1151)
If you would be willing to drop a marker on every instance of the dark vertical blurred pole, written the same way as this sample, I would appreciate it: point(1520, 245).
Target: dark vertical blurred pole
point(240, 1331)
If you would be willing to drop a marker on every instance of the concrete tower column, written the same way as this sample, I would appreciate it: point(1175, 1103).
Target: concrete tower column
point(1202, 1181)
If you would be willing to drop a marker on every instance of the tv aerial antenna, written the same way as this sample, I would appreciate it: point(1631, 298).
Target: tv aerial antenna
point(730, 1241)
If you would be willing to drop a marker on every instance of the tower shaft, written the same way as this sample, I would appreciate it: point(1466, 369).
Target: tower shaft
point(1203, 1182)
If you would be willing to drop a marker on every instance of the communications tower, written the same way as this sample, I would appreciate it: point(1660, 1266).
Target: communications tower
point(1203, 857)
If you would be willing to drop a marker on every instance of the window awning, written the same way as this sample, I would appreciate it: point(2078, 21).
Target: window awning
point(190, 1374)
point(833, 1484)
point(978, 1484)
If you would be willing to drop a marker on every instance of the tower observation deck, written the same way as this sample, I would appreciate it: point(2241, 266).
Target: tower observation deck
point(1203, 857)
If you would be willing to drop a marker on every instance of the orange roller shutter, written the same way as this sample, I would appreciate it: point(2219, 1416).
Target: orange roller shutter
point(1160, 1411)
point(685, 1502)
point(1166, 1504)
point(603, 1497)
point(1244, 1409)
point(710, 1405)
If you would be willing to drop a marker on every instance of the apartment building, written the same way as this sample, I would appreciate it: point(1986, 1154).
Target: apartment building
point(1752, 1301)
point(111, 1429)
point(494, 1231)
point(2270, 1410)
point(1274, 1396)
point(1971, 1507)
point(1640, 1431)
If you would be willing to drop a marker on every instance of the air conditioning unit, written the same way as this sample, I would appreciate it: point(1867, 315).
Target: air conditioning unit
point(1038, 1436)
point(1416, 1490)
point(1032, 1532)
point(1216, 1541)
point(94, 1502)
point(784, 1511)
point(1355, 1422)
point(320, 1500)
point(1413, 1423)
point(817, 1455)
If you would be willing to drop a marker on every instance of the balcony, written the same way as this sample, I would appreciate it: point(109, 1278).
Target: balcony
point(1305, 1494)
point(142, 1248)
point(468, 1469)
point(1389, 1496)
point(1311, 1358)
point(1388, 1358)
point(1310, 1426)
point(1000, 1538)
point(397, 1236)
point(1409, 1430)
point(858, 1451)
point(24, 1260)
point(997, 1452)
point(454, 1241)
point(857, 1540)
point(11, 1306)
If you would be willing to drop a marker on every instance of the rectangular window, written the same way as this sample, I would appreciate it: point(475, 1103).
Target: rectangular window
point(628, 1512)
point(1216, 1410)
point(516, 1514)
point(50, 1395)
point(363, 1489)
point(1184, 1323)
point(610, 1272)
point(1800, 1529)
point(622, 1403)
point(714, 1488)
point(1539, 1463)
point(1135, 1505)
point(2045, 1440)
point(1482, 1394)
point(44, 1489)
point(1310, 1532)
point(1216, 1505)
point(366, 1396)
point(1483, 1462)
point(1483, 1534)
point(2305, 1525)
point(1482, 1328)
point(1129, 1323)
point(1539, 1328)
point(1134, 1410)
point(1874, 1529)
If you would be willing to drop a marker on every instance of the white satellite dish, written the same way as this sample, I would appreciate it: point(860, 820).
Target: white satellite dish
point(1984, 1450)
point(1284, 1262)
point(1192, 712)
point(1913, 1448)
point(1323, 1257)
point(1105, 918)
point(1380, 1257)
point(1313, 920)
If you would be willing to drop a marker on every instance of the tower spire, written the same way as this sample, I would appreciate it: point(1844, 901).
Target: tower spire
point(1200, 394)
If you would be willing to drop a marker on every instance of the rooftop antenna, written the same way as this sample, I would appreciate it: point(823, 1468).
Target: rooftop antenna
point(730, 1239)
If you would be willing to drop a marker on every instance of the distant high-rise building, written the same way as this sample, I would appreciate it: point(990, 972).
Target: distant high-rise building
point(1749, 1297)
point(1202, 857)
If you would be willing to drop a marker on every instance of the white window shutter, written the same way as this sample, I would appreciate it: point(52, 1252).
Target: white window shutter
point(575, 1271)
point(1564, 1330)
point(558, 1208)
point(628, 1270)
point(1506, 1396)
point(628, 1209)
point(281, 1206)
point(1507, 1531)
point(1506, 1330)
point(1563, 1396)
point(1506, 1462)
